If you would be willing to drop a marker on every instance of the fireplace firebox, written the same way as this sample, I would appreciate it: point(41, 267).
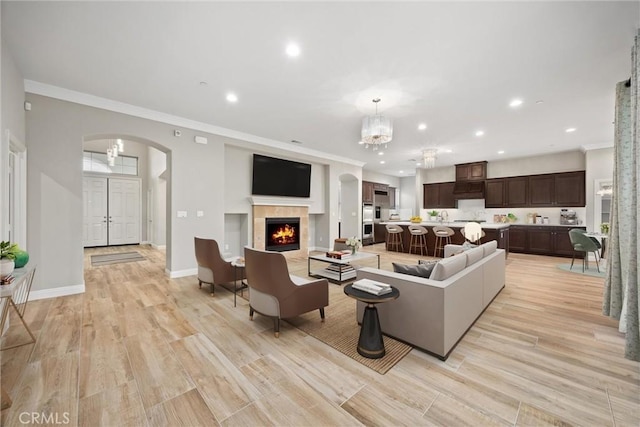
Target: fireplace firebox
point(282, 234)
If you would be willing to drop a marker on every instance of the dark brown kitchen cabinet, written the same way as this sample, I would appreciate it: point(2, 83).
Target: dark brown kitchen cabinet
point(517, 238)
point(570, 189)
point(516, 191)
point(439, 196)
point(506, 192)
point(379, 233)
point(541, 240)
point(557, 189)
point(367, 192)
point(500, 235)
point(494, 193)
point(476, 171)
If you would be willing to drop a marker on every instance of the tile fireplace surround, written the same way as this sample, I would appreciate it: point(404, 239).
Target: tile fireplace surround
point(260, 212)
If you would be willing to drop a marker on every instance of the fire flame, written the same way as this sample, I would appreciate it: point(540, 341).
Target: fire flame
point(284, 235)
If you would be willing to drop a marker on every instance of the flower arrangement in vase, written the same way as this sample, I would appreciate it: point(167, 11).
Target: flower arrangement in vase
point(354, 243)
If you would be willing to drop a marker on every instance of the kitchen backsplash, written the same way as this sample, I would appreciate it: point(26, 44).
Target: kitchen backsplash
point(475, 210)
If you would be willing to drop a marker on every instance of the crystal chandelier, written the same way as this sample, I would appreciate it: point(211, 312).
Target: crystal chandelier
point(376, 129)
point(429, 157)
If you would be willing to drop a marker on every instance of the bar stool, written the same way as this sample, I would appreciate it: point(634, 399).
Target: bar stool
point(394, 237)
point(443, 237)
point(418, 238)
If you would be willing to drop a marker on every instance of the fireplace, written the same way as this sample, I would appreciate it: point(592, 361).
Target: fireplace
point(282, 234)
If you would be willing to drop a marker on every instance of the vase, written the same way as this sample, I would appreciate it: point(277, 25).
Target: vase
point(6, 267)
point(353, 250)
point(22, 258)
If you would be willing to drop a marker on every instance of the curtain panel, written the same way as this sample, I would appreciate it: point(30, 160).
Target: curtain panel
point(621, 298)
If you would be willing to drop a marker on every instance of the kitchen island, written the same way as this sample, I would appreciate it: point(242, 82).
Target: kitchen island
point(493, 231)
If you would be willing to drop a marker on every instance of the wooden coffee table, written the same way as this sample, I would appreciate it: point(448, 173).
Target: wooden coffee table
point(370, 343)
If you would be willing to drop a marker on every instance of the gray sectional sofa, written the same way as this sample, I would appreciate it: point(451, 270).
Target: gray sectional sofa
point(433, 315)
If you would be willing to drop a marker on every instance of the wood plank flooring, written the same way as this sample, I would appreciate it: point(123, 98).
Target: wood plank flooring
point(140, 349)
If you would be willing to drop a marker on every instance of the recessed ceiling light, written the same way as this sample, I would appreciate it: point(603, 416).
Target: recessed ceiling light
point(569, 130)
point(293, 50)
point(479, 133)
point(232, 97)
point(422, 126)
point(501, 152)
point(380, 153)
point(447, 151)
point(382, 162)
point(401, 172)
point(515, 103)
point(360, 142)
point(418, 164)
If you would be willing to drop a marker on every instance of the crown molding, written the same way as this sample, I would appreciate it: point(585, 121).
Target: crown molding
point(38, 88)
point(600, 146)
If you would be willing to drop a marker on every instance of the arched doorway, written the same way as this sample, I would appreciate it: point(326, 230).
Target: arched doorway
point(142, 162)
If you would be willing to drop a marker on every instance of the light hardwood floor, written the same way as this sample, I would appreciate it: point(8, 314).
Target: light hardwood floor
point(141, 349)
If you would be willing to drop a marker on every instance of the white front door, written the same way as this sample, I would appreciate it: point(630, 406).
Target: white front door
point(94, 214)
point(124, 211)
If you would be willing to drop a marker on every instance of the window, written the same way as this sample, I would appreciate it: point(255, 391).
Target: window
point(97, 162)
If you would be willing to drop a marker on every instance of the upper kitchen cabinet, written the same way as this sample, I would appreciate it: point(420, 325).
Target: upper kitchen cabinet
point(557, 189)
point(476, 171)
point(439, 195)
point(506, 192)
point(367, 192)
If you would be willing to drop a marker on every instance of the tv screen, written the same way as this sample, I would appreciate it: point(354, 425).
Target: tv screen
point(278, 177)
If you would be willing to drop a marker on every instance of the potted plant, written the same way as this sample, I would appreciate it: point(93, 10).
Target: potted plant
point(8, 252)
point(604, 228)
point(511, 217)
point(433, 215)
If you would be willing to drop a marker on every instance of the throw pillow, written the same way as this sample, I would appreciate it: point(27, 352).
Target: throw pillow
point(420, 270)
point(447, 267)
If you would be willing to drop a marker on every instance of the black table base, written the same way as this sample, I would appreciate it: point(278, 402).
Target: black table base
point(370, 344)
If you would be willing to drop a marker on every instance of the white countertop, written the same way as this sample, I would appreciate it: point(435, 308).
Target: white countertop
point(485, 225)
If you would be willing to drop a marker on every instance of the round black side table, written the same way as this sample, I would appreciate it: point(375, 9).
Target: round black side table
point(370, 343)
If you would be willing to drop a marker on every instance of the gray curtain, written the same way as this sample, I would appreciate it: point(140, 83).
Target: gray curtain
point(621, 298)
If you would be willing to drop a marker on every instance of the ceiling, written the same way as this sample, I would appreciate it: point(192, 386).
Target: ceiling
point(454, 66)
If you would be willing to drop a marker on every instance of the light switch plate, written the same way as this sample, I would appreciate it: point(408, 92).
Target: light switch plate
point(182, 214)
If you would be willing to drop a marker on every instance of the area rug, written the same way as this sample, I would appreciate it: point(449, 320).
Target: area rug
point(577, 268)
point(340, 330)
point(115, 258)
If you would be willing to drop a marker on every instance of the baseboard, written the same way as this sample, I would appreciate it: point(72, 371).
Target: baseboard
point(181, 273)
point(158, 247)
point(56, 292)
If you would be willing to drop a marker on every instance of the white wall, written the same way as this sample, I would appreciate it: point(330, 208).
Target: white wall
point(408, 196)
point(238, 175)
point(549, 163)
point(11, 119)
point(599, 167)
point(55, 131)
point(351, 225)
point(392, 181)
point(157, 165)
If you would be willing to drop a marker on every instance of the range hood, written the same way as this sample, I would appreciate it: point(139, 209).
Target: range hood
point(468, 190)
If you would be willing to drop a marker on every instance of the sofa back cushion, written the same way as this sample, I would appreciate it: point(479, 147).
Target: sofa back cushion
point(474, 255)
point(489, 247)
point(447, 267)
point(420, 270)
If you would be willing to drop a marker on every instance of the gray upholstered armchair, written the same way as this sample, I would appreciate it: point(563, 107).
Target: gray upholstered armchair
point(212, 268)
point(275, 293)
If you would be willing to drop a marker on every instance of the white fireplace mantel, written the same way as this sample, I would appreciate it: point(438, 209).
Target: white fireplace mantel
point(278, 201)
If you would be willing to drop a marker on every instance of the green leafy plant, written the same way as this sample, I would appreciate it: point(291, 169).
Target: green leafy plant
point(9, 250)
point(604, 228)
point(512, 217)
point(433, 213)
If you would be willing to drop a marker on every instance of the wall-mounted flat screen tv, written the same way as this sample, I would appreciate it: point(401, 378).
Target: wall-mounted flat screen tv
point(279, 177)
